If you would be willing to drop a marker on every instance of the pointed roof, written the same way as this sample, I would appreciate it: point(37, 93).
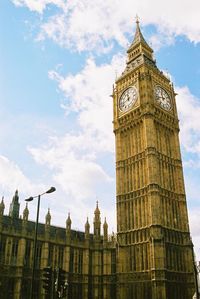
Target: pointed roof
point(97, 211)
point(68, 221)
point(26, 212)
point(2, 206)
point(16, 196)
point(87, 223)
point(105, 225)
point(2, 202)
point(48, 217)
point(138, 38)
point(87, 226)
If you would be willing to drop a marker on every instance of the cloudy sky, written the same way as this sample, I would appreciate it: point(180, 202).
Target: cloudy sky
point(58, 61)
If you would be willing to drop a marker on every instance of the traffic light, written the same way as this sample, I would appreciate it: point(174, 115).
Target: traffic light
point(47, 279)
point(60, 280)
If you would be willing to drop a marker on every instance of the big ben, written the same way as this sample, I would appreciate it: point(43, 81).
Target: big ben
point(154, 249)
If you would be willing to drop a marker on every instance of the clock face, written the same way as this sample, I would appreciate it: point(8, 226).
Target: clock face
point(128, 99)
point(162, 98)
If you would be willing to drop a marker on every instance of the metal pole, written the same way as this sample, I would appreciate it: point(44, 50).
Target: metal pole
point(196, 281)
point(195, 273)
point(34, 249)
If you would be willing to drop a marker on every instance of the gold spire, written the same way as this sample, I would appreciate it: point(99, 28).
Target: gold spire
point(139, 46)
point(138, 38)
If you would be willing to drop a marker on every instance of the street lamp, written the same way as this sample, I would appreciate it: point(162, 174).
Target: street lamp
point(52, 189)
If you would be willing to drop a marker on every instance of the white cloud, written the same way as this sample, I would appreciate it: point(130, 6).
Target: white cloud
point(88, 94)
point(94, 25)
point(72, 160)
point(76, 157)
point(189, 111)
point(38, 5)
point(78, 175)
point(194, 228)
point(12, 177)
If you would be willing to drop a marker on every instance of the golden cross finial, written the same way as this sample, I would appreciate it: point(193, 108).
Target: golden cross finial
point(137, 19)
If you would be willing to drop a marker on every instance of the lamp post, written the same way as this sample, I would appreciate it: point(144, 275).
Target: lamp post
point(197, 270)
point(52, 189)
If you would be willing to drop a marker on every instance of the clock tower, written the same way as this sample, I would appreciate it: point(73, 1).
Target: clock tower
point(154, 249)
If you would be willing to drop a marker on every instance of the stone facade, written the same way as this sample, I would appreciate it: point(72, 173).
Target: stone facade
point(152, 255)
point(155, 253)
point(89, 259)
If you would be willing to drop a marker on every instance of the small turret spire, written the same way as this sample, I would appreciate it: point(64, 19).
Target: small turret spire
point(97, 221)
point(48, 218)
point(26, 213)
point(97, 211)
point(14, 206)
point(87, 229)
point(68, 222)
point(105, 230)
point(2, 206)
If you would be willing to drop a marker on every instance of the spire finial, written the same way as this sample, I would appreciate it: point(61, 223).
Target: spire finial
point(137, 20)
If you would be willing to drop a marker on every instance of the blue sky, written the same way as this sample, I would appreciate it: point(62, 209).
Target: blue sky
point(58, 61)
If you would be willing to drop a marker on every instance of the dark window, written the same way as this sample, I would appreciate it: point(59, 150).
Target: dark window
point(25, 288)
point(11, 287)
point(27, 256)
point(60, 256)
point(113, 262)
point(50, 256)
point(71, 264)
point(14, 252)
point(80, 261)
point(38, 255)
point(2, 249)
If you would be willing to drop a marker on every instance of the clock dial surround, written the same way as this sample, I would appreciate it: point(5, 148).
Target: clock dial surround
point(162, 98)
point(128, 99)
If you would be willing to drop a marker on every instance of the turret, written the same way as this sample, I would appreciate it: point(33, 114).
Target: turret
point(68, 223)
point(97, 222)
point(2, 207)
point(14, 206)
point(68, 227)
point(48, 218)
point(87, 229)
point(47, 224)
point(105, 231)
point(25, 213)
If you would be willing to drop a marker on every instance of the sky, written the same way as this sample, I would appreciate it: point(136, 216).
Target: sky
point(58, 62)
